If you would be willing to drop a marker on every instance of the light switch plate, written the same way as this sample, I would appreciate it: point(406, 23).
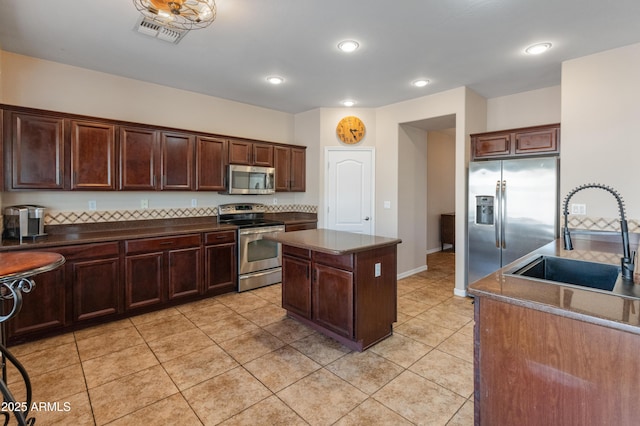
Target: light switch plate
point(387, 204)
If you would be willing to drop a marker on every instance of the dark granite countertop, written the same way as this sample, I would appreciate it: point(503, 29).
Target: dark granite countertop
point(61, 235)
point(332, 242)
point(602, 308)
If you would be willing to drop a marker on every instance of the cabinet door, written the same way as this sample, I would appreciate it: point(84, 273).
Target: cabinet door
point(184, 273)
point(143, 282)
point(537, 141)
point(93, 152)
point(240, 152)
point(220, 269)
point(211, 160)
point(491, 145)
point(139, 159)
point(43, 309)
point(296, 285)
point(333, 299)
point(262, 155)
point(282, 163)
point(96, 288)
point(298, 173)
point(37, 152)
point(177, 161)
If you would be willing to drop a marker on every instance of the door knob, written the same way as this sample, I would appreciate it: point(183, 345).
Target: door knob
point(366, 218)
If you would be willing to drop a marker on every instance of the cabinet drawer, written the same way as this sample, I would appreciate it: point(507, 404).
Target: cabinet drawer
point(89, 251)
point(222, 237)
point(300, 226)
point(162, 243)
point(296, 251)
point(344, 261)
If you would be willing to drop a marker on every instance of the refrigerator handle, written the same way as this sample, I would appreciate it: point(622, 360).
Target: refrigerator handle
point(503, 219)
point(496, 224)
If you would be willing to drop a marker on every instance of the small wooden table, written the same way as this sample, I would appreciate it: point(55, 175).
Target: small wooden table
point(16, 270)
point(448, 230)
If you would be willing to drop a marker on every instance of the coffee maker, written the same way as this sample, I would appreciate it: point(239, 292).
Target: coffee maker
point(26, 221)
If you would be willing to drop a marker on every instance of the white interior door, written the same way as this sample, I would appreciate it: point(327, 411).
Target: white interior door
point(349, 189)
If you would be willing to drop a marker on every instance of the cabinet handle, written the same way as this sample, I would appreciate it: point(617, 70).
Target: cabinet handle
point(166, 243)
point(220, 237)
point(307, 270)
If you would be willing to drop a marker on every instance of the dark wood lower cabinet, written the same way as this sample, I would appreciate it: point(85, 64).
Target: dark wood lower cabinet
point(161, 269)
point(296, 281)
point(105, 281)
point(220, 262)
point(333, 299)
point(43, 309)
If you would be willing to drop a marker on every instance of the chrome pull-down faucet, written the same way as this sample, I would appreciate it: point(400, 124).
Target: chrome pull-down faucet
point(627, 259)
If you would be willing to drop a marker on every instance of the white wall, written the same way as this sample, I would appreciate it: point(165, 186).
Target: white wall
point(35, 83)
point(524, 109)
point(441, 182)
point(412, 197)
point(601, 128)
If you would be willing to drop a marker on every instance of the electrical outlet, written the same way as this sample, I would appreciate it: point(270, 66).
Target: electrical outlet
point(144, 204)
point(194, 202)
point(377, 270)
point(275, 201)
point(92, 204)
point(580, 209)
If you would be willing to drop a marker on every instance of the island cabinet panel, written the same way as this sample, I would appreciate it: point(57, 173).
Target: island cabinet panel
point(333, 299)
point(161, 269)
point(220, 263)
point(211, 161)
point(93, 155)
point(538, 368)
point(34, 151)
point(139, 158)
point(177, 161)
point(296, 281)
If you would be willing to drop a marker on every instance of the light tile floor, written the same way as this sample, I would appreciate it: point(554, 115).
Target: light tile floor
point(238, 360)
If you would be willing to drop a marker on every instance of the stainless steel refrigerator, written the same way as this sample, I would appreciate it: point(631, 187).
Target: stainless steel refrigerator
point(513, 210)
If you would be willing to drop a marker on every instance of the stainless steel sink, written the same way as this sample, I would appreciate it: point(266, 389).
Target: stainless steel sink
point(593, 276)
point(600, 276)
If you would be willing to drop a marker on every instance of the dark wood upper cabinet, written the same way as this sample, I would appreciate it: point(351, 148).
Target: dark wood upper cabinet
point(250, 153)
point(34, 145)
point(93, 155)
point(139, 158)
point(290, 165)
point(526, 141)
point(211, 161)
point(177, 151)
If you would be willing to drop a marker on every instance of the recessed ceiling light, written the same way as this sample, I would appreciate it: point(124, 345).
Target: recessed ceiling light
point(348, 103)
point(420, 83)
point(536, 49)
point(274, 79)
point(348, 45)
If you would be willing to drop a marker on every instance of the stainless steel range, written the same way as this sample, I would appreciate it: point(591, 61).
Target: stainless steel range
point(259, 260)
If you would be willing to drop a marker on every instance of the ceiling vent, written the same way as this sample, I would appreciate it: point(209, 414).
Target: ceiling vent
point(153, 29)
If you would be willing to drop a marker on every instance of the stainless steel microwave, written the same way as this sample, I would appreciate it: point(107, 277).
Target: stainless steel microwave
point(251, 180)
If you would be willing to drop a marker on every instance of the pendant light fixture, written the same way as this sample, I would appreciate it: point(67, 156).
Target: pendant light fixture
point(179, 14)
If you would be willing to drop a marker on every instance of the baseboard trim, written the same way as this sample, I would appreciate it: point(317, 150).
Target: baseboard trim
point(412, 272)
point(460, 292)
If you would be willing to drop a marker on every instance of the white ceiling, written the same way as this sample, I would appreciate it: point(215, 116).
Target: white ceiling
point(453, 43)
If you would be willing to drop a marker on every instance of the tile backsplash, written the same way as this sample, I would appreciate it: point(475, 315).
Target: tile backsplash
point(600, 223)
point(81, 217)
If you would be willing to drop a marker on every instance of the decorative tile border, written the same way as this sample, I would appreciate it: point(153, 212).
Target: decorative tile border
point(600, 224)
point(79, 217)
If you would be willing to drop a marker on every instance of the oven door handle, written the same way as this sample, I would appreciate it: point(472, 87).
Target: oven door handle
point(255, 231)
point(259, 274)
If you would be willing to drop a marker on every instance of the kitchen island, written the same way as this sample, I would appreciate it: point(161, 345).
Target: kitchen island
point(342, 284)
point(547, 353)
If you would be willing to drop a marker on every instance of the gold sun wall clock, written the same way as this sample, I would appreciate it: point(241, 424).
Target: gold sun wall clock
point(350, 130)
